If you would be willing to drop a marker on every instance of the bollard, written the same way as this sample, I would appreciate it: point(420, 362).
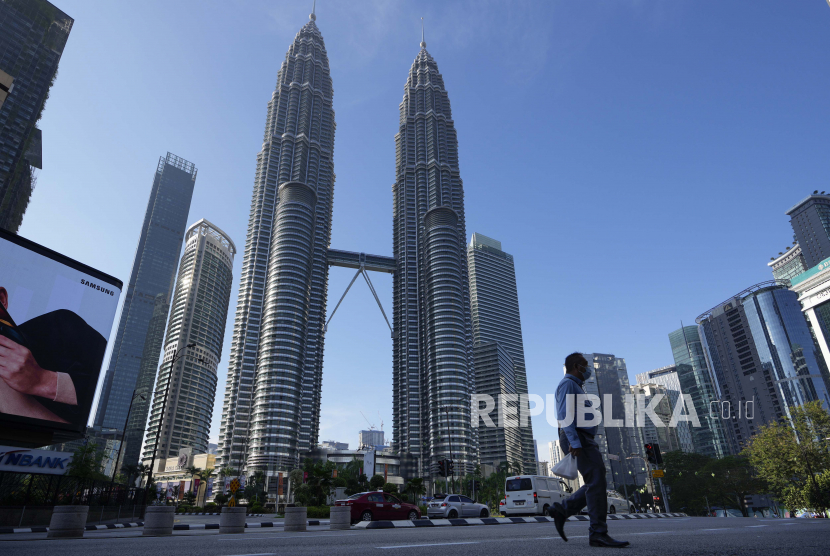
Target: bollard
point(232, 520)
point(158, 521)
point(340, 517)
point(67, 522)
point(296, 518)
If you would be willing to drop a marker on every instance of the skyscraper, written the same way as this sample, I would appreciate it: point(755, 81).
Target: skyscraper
point(153, 274)
point(763, 358)
point(789, 263)
point(33, 34)
point(810, 219)
point(272, 396)
point(664, 435)
point(667, 377)
point(494, 305)
point(198, 316)
point(696, 381)
point(433, 376)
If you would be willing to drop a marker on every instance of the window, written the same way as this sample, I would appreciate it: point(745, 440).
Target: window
point(391, 499)
point(453, 499)
point(466, 500)
point(515, 485)
point(375, 497)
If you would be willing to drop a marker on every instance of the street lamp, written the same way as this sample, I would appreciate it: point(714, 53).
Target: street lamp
point(124, 436)
point(163, 407)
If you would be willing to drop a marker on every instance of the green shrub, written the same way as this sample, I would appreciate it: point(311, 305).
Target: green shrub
point(256, 509)
point(423, 510)
point(390, 488)
point(318, 512)
point(210, 507)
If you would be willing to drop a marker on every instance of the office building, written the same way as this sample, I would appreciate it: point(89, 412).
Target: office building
point(661, 432)
point(33, 34)
point(542, 468)
point(763, 358)
point(494, 306)
point(185, 390)
point(433, 377)
point(696, 380)
point(496, 378)
point(134, 358)
point(810, 219)
point(334, 445)
point(813, 290)
point(668, 378)
point(371, 439)
point(282, 290)
point(789, 264)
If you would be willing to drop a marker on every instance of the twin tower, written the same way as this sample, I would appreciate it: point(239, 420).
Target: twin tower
point(271, 411)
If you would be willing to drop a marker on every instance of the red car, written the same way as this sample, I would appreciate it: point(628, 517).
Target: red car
point(375, 506)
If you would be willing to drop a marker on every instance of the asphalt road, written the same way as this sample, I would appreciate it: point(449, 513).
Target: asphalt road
point(680, 536)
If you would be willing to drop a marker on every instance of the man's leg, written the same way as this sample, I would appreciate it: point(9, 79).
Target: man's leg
point(592, 468)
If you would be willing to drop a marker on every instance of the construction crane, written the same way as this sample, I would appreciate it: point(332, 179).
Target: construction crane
point(371, 426)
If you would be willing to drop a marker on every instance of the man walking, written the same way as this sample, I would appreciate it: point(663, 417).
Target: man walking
point(579, 442)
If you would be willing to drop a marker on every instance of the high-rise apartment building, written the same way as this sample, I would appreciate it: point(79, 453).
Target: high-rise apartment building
point(135, 353)
point(763, 358)
point(810, 219)
point(494, 305)
point(433, 376)
point(668, 378)
point(184, 393)
point(813, 290)
point(272, 396)
point(788, 264)
point(33, 34)
point(696, 381)
point(661, 432)
point(496, 378)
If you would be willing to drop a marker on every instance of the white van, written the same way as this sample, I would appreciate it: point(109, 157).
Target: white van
point(531, 495)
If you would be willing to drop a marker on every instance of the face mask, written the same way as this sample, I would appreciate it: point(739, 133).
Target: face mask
point(586, 372)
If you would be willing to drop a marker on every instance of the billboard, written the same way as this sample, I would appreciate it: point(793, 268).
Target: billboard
point(16, 460)
point(55, 319)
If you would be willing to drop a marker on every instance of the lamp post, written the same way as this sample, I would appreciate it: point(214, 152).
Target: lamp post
point(124, 436)
point(163, 407)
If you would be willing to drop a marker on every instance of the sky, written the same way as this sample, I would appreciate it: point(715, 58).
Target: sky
point(635, 157)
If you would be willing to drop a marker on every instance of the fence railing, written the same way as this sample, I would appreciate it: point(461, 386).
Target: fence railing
point(24, 489)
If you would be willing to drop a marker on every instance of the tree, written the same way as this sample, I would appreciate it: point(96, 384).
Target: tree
point(792, 457)
point(689, 485)
point(221, 499)
point(416, 488)
point(390, 488)
point(227, 472)
point(193, 472)
point(377, 482)
point(733, 477)
point(87, 462)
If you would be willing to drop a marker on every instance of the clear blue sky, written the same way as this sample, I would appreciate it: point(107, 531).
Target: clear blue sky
point(636, 157)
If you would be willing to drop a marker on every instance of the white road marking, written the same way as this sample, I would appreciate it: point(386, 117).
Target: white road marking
point(718, 529)
point(653, 533)
point(321, 534)
point(756, 526)
point(420, 545)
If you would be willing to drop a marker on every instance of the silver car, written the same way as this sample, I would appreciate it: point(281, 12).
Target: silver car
point(455, 506)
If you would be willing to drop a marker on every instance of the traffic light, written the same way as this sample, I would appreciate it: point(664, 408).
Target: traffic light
point(450, 467)
point(657, 455)
point(650, 454)
point(442, 468)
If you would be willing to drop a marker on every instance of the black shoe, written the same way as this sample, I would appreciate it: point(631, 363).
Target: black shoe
point(604, 540)
point(557, 512)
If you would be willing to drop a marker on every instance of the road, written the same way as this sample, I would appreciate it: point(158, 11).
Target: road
point(663, 537)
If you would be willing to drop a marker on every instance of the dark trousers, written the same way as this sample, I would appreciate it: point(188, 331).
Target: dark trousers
point(593, 493)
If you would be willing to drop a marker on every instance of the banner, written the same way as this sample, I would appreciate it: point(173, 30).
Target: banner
point(227, 487)
point(279, 485)
point(196, 486)
point(55, 319)
point(209, 489)
point(22, 460)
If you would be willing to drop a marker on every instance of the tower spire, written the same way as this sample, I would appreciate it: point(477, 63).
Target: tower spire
point(423, 44)
point(312, 16)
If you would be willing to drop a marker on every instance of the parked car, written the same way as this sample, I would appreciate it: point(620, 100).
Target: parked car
point(531, 494)
point(617, 503)
point(374, 506)
point(456, 505)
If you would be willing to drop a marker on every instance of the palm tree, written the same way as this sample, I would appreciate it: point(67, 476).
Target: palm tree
point(415, 486)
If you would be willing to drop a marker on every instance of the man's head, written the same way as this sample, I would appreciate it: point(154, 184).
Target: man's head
point(575, 364)
point(4, 298)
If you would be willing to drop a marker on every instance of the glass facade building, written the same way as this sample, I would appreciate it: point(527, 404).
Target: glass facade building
point(153, 275)
point(33, 34)
point(788, 264)
point(183, 399)
point(696, 380)
point(668, 378)
point(494, 304)
point(764, 358)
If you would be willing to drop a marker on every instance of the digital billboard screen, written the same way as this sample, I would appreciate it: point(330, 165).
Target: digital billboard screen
point(55, 319)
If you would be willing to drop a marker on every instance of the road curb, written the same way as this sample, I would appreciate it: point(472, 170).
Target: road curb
point(12, 530)
point(496, 521)
point(176, 526)
point(194, 526)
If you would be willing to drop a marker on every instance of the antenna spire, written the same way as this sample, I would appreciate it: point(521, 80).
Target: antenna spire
point(423, 44)
point(313, 16)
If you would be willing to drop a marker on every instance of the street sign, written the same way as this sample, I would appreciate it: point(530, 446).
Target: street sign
point(234, 486)
point(657, 473)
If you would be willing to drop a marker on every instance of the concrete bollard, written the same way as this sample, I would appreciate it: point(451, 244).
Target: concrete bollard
point(67, 522)
point(296, 519)
point(232, 520)
point(158, 521)
point(340, 517)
